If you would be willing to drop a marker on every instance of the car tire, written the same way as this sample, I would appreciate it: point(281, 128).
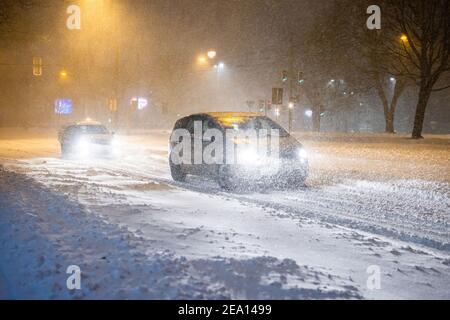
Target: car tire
point(296, 180)
point(225, 178)
point(177, 172)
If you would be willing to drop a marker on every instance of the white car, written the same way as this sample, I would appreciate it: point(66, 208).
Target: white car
point(86, 139)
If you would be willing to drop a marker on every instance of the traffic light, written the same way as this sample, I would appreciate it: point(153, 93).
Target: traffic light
point(300, 78)
point(37, 66)
point(284, 76)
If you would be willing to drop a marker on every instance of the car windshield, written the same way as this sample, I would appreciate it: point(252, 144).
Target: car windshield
point(88, 129)
point(251, 123)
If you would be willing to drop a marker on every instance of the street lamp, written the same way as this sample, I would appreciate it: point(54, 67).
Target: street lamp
point(219, 66)
point(201, 60)
point(404, 38)
point(63, 74)
point(290, 106)
point(211, 54)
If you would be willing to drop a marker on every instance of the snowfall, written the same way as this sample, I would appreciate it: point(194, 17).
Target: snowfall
point(373, 206)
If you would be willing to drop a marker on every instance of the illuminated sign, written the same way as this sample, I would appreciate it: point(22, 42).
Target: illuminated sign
point(63, 106)
point(141, 102)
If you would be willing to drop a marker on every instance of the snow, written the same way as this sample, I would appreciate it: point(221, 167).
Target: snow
point(371, 200)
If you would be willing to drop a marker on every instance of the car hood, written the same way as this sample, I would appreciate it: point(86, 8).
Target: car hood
point(289, 147)
point(98, 138)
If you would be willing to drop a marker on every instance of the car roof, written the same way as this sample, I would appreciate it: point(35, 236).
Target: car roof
point(88, 123)
point(232, 114)
point(222, 117)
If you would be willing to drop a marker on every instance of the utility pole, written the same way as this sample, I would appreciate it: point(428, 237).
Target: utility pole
point(116, 87)
point(291, 73)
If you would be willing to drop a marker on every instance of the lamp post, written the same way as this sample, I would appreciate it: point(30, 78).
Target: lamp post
point(290, 108)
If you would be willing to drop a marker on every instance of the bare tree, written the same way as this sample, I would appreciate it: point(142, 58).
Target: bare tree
point(340, 46)
point(420, 43)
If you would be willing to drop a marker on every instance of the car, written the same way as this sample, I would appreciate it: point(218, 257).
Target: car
point(288, 168)
point(86, 139)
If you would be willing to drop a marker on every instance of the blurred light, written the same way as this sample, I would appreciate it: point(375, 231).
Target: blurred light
point(63, 106)
point(291, 105)
point(219, 66)
point(277, 112)
point(142, 103)
point(404, 38)
point(83, 147)
point(248, 156)
point(302, 153)
point(212, 54)
point(63, 74)
point(392, 79)
point(201, 60)
point(308, 113)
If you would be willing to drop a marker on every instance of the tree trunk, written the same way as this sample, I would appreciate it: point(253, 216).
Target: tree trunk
point(424, 95)
point(389, 117)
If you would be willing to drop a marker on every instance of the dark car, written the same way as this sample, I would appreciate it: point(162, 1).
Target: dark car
point(288, 168)
point(86, 139)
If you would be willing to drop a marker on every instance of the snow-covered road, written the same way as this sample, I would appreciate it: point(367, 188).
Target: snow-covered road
point(371, 202)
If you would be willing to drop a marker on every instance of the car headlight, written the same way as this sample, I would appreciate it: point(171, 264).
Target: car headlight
point(248, 157)
point(82, 145)
point(302, 154)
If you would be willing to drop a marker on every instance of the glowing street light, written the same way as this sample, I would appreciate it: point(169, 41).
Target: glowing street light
point(308, 113)
point(211, 54)
point(404, 38)
point(63, 74)
point(291, 105)
point(219, 66)
point(201, 60)
point(277, 112)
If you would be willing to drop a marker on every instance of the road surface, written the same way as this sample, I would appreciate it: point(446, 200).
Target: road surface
point(372, 203)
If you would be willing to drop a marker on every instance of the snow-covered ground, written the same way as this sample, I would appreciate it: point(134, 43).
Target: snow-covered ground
point(372, 201)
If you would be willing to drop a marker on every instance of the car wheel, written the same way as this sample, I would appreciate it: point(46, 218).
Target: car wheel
point(177, 172)
point(296, 180)
point(225, 178)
